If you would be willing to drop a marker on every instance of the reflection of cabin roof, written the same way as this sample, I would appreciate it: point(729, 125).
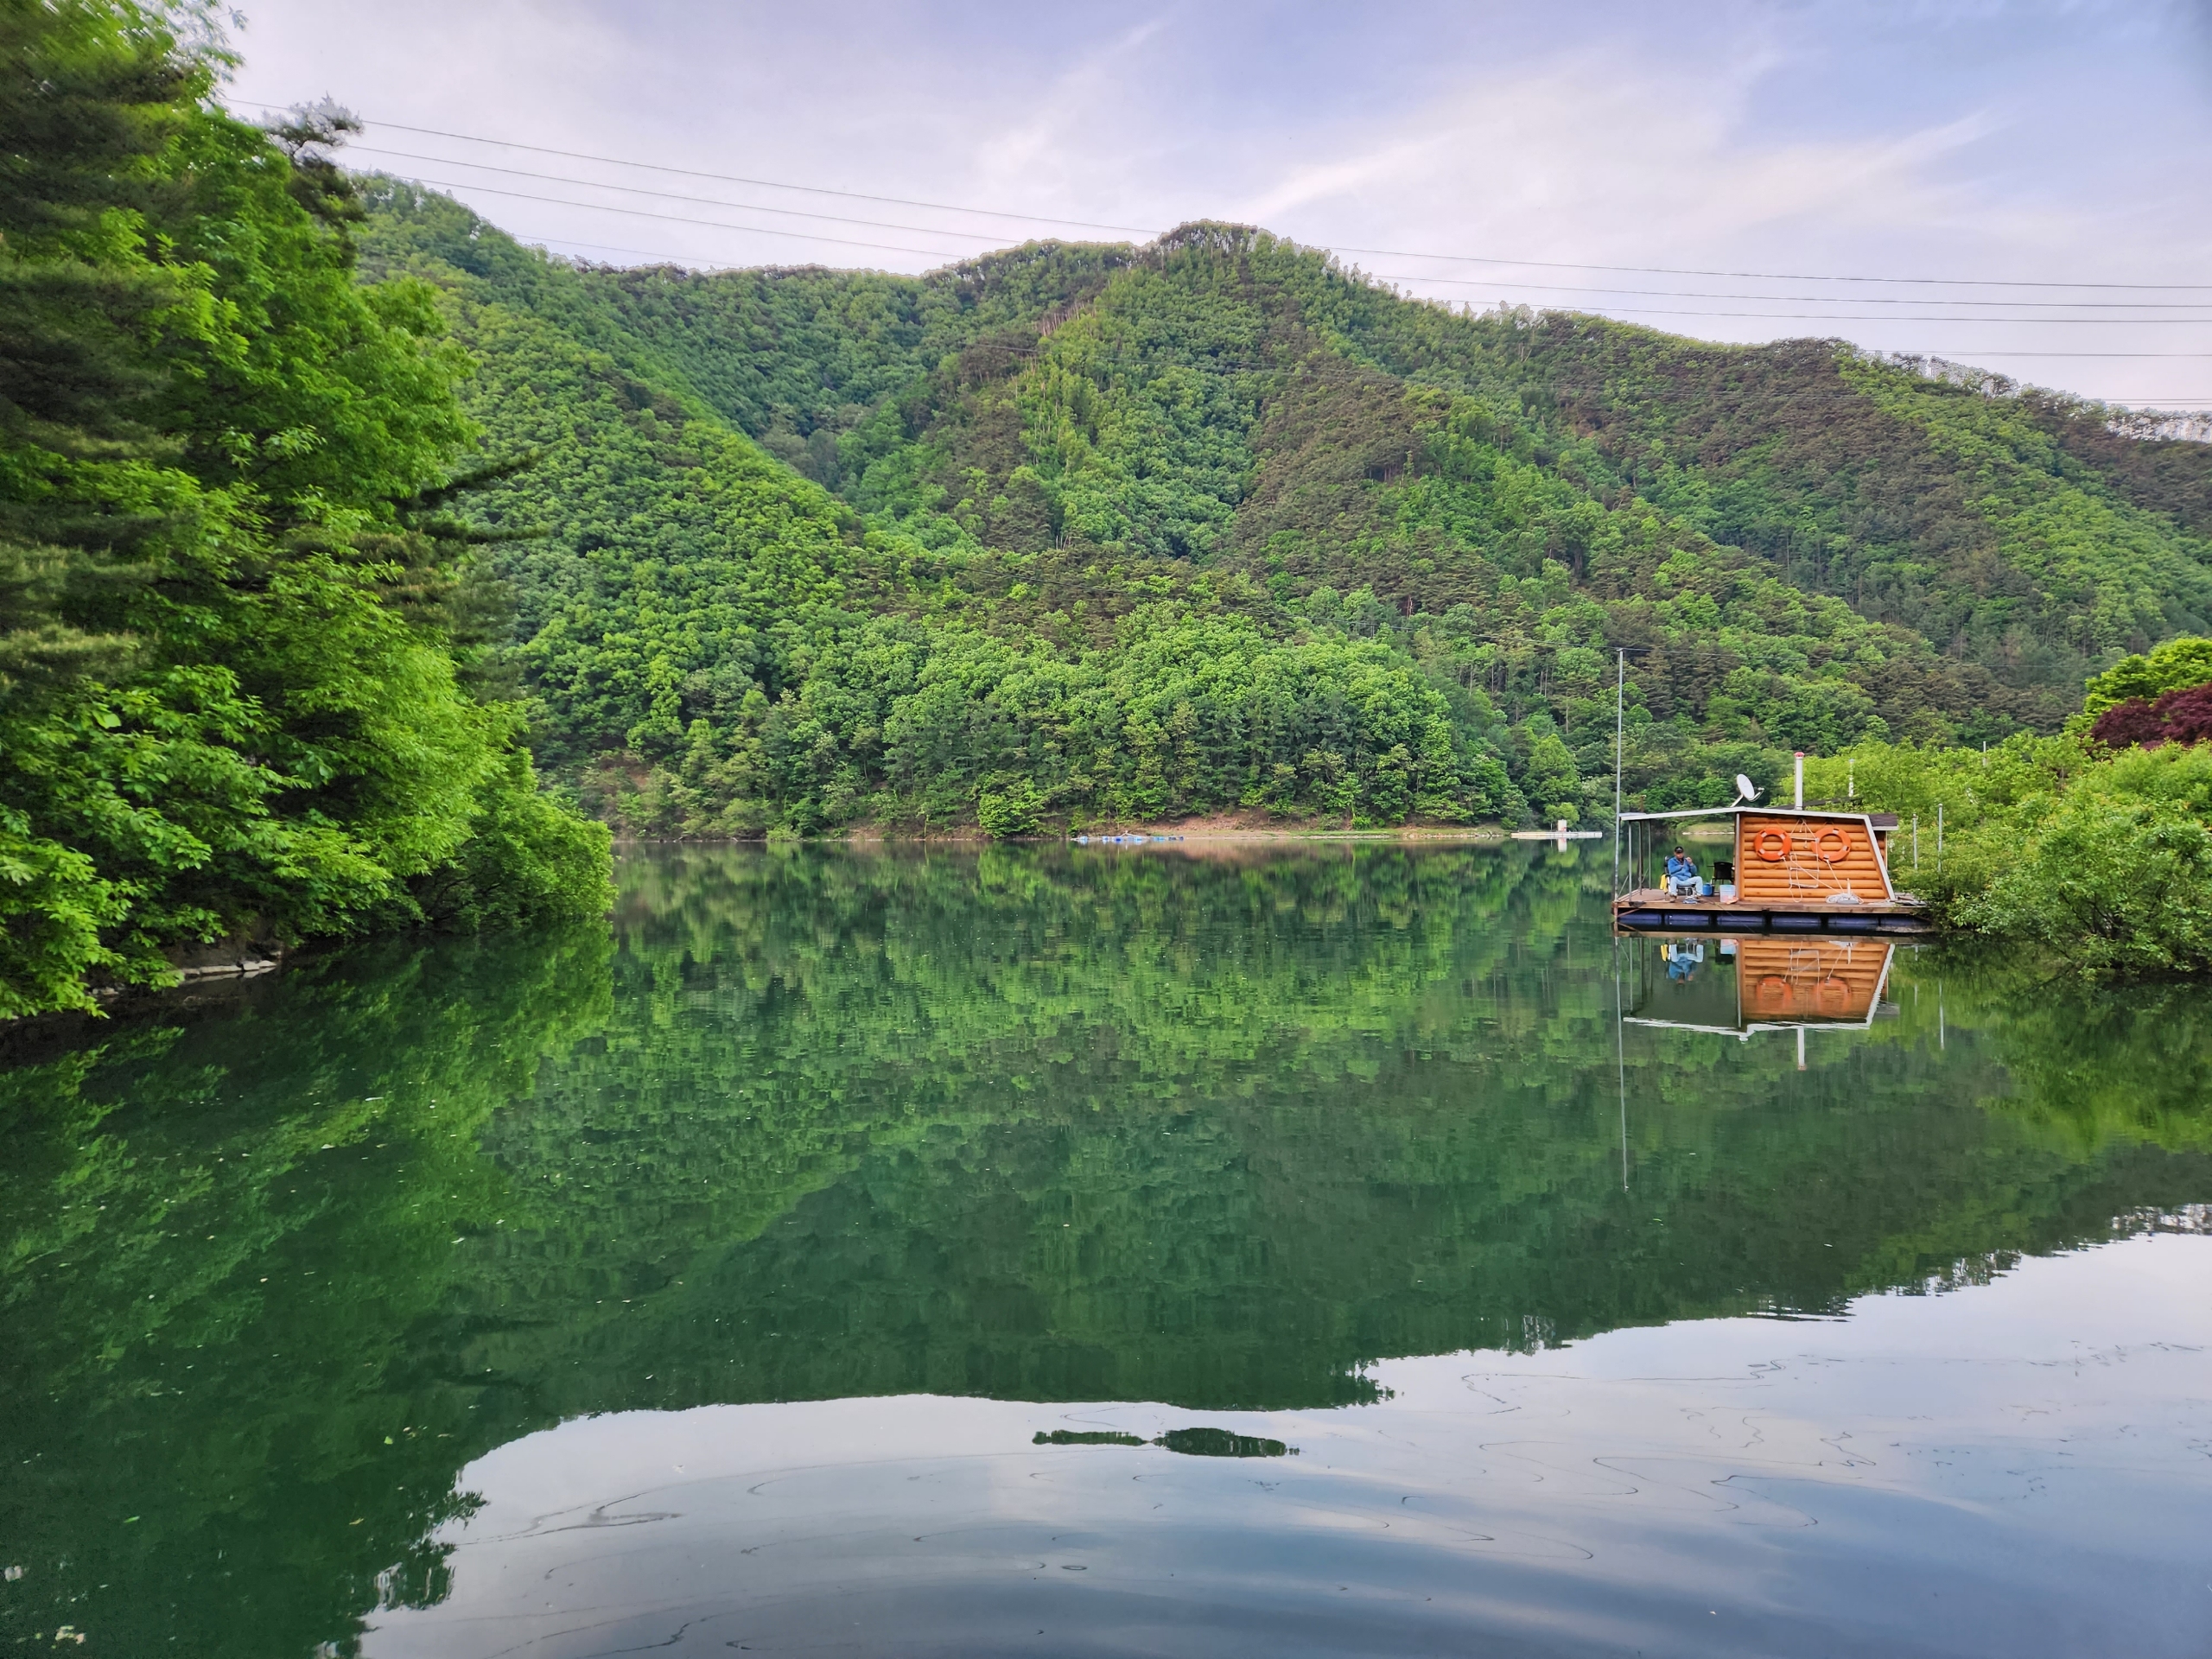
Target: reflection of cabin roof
point(1872, 820)
point(1866, 1023)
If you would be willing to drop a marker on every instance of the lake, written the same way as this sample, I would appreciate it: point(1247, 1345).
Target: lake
point(1293, 1248)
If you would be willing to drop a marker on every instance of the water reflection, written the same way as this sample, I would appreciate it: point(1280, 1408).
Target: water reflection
point(2010, 1471)
point(1226, 1136)
point(1734, 987)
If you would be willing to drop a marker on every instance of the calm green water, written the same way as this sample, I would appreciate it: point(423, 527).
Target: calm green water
point(704, 1282)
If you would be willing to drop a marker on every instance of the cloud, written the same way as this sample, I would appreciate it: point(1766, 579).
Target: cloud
point(1599, 156)
point(1067, 113)
point(2037, 139)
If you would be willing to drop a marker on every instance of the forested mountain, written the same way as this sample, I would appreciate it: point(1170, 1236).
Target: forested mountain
point(1077, 533)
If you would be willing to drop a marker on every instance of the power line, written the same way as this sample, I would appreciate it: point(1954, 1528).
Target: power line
point(682, 219)
point(732, 178)
point(1463, 281)
point(670, 195)
point(1848, 316)
point(1770, 276)
point(656, 255)
point(942, 253)
point(1815, 299)
point(1980, 351)
point(1392, 253)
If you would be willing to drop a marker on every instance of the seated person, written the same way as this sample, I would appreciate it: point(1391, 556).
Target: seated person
point(1682, 874)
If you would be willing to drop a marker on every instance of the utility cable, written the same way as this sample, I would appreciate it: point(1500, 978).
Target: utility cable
point(996, 240)
point(946, 254)
point(1391, 253)
point(732, 178)
point(1773, 276)
point(1851, 316)
point(1462, 281)
point(682, 219)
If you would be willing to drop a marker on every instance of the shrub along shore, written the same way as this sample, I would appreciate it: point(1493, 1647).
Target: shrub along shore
point(2090, 851)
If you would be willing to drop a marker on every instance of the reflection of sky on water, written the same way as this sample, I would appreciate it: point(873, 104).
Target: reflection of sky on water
point(2017, 1468)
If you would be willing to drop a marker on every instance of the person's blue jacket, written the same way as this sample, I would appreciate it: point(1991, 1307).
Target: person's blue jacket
point(1679, 864)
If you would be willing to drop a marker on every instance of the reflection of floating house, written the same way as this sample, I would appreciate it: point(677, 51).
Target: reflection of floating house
point(1792, 871)
point(1734, 987)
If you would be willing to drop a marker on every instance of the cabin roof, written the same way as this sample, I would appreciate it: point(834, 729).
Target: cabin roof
point(1872, 820)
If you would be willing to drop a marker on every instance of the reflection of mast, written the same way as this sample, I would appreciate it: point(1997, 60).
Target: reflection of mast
point(1620, 1055)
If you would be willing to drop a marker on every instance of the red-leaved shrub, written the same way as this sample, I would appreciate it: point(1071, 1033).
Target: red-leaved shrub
point(2187, 714)
point(2183, 716)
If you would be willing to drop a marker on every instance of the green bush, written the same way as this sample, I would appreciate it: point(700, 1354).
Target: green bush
point(2102, 861)
point(2173, 666)
point(1013, 811)
point(2119, 885)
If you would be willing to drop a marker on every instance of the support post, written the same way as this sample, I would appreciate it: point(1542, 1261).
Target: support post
point(1620, 704)
point(1801, 780)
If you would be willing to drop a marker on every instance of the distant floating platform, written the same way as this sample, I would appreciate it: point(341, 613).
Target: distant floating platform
point(1650, 910)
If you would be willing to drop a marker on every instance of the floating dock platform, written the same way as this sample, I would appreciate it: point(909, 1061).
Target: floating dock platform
point(1650, 910)
point(1792, 871)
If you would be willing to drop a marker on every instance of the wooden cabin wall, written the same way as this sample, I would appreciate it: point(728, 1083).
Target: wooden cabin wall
point(1801, 873)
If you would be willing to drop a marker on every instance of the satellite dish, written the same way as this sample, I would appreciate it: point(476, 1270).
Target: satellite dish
point(1743, 790)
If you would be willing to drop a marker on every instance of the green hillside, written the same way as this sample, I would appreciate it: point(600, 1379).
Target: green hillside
point(1074, 533)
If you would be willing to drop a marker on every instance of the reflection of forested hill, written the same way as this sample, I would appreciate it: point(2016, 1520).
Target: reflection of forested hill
point(1039, 1124)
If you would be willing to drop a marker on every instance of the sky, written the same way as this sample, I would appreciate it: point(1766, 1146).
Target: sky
point(2031, 179)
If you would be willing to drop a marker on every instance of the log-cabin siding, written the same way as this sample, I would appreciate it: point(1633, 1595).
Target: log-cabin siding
point(1819, 857)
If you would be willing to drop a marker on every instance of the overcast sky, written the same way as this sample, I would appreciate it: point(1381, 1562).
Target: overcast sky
point(2039, 142)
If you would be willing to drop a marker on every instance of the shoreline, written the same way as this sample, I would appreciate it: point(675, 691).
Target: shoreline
point(1186, 832)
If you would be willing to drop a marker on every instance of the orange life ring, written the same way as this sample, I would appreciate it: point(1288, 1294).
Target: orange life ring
point(1821, 843)
point(1780, 846)
point(1832, 996)
point(1773, 992)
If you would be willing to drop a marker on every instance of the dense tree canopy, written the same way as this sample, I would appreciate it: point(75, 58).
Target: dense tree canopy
point(230, 700)
point(820, 547)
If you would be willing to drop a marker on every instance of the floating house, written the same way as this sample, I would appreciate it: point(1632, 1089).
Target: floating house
point(1789, 869)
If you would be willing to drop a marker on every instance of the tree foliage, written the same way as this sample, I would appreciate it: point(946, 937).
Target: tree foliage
point(229, 699)
point(2099, 861)
point(791, 515)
